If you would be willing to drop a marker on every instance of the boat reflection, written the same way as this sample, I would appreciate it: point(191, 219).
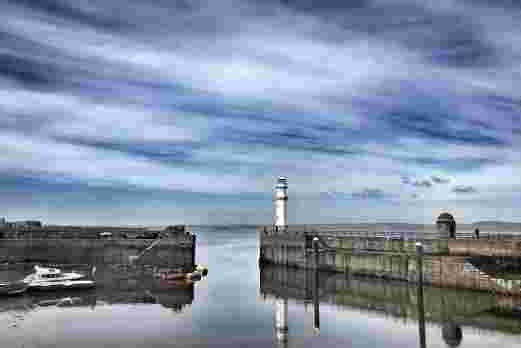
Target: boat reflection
point(448, 309)
point(114, 285)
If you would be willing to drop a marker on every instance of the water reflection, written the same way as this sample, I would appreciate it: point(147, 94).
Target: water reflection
point(280, 322)
point(280, 318)
point(114, 285)
point(447, 309)
point(452, 334)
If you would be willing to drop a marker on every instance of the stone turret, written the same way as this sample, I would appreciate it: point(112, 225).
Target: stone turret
point(446, 226)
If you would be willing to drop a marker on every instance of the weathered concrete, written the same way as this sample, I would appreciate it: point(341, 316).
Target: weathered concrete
point(174, 251)
point(511, 248)
point(447, 262)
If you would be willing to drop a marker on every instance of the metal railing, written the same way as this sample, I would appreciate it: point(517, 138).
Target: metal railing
point(489, 236)
point(339, 232)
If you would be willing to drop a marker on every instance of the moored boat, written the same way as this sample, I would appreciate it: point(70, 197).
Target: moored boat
point(180, 274)
point(195, 275)
point(202, 269)
point(53, 278)
point(175, 274)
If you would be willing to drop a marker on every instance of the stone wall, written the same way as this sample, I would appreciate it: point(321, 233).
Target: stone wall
point(480, 247)
point(394, 259)
point(170, 252)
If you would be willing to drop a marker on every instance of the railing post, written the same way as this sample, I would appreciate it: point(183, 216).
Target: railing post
point(315, 251)
point(316, 302)
point(421, 311)
point(193, 252)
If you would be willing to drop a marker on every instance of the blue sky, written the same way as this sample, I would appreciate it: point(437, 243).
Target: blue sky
point(138, 112)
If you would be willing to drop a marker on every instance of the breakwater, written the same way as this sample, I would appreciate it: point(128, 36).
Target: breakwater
point(447, 262)
point(172, 247)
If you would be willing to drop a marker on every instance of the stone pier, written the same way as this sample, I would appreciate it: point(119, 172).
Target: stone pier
point(447, 262)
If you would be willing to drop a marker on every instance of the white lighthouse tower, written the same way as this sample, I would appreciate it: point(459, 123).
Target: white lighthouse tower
point(280, 202)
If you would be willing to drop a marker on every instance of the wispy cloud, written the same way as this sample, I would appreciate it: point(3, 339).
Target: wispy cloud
point(439, 179)
point(221, 97)
point(416, 182)
point(464, 189)
point(369, 193)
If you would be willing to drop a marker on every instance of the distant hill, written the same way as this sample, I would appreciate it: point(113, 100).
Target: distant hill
point(497, 226)
point(491, 222)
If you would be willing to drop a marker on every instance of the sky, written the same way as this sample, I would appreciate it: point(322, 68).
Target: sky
point(177, 111)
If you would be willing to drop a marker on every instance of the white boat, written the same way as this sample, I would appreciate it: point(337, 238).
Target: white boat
point(53, 278)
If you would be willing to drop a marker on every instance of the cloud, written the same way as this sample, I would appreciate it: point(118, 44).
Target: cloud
point(416, 182)
point(421, 183)
point(223, 97)
point(439, 179)
point(49, 159)
point(369, 193)
point(464, 189)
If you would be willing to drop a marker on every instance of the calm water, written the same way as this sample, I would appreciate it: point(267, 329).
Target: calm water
point(231, 307)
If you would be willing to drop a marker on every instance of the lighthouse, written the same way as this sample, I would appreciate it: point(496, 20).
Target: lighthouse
point(280, 202)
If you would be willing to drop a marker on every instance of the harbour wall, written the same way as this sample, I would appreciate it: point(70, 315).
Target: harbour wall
point(177, 250)
point(446, 263)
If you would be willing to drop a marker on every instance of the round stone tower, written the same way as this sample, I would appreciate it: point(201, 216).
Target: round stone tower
point(280, 202)
point(446, 226)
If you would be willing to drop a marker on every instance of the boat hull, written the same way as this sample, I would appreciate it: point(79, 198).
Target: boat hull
point(172, 276)
point(79, 284)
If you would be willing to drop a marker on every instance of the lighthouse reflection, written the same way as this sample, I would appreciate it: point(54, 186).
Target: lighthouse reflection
point(280, 322)
point(279, 287)
point(280, 302)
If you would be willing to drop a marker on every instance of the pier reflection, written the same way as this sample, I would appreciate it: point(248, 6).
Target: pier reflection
point(447, 309)
point(280, 313)
point(114, 285)
point(280, 322)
